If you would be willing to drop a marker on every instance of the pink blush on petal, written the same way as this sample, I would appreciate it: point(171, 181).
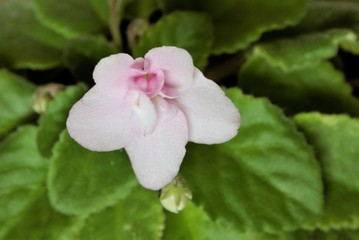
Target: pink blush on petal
point(155, 84)
point(140, 82)
point(149, 82)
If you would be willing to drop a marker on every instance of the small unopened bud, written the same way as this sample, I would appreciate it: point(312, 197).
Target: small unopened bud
point(136, 29)
point(175, 195)
point(44, 94)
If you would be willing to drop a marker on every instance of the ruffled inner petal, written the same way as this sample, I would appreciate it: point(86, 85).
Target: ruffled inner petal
point(177, 66)
point(148, 81)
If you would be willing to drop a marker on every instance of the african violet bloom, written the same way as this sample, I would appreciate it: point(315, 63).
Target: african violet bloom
point(152, 107)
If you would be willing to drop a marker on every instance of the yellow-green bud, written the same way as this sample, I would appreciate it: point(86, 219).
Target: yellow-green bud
point(175, 195)
point(136, 29)
point(44, 94)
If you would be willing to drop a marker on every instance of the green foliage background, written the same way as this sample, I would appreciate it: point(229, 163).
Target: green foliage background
point(290, 67)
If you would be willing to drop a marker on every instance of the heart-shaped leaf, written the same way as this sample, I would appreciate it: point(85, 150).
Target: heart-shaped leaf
point(188, 30)
point(237, 23)
point(265, 179)
point(25, 41)
point(138, 216)
point(335, 139)
point(53, 120)
point(71, 18)
point(23, 172)
point(82, 182)
point(15, 102)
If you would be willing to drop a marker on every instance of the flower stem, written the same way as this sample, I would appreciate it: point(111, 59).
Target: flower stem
point(114, 24)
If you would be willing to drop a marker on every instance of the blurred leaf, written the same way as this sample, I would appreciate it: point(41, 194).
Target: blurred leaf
point(237, 23)
point(126, 9)
point(322, 15)
point(265, 179)
point(305, 50)
point(53, 120)
point(344, 234)
point(82, 54)
point(25, 42)
point(335, 139)
point(315, 87)
point(15, 101)
point(293, 73)
point(83, 182)
point(138, 216)
point(133, 9)
point(193, 223)
point(102, 9)
point(39, 221)
point(72, 18)
point(188, 30)
point(22, 172)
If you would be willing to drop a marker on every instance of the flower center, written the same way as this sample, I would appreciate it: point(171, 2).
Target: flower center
point(149, 82)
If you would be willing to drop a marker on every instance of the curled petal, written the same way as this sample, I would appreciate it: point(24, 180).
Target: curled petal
point(111, 74)
point(100, 122)
point(177, 65)
point(156, 157)
point(212, 117)
point(145, 112)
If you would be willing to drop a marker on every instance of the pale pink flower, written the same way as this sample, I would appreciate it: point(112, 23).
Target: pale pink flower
point(152, 107)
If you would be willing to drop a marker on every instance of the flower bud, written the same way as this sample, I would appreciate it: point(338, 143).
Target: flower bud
point(136, 29)
point(44, 94)
point(175, 195)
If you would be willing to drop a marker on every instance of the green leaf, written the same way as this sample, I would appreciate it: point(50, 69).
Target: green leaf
point(343, 234)
point(335, 139)
point(188, 30)
point(133, 9)
point(102, 9)
point(83, 182)
point(316, 87)
point(126, 9)
point(138, 216)
point(305, 50)
point(71, 18)
point(237, 23)
point(83, 53)
point(53, 120)
point(322, 15)
point(25, 41)
point(293, 73)
point(193, 223)
point(15, 102)
point(265, 179)
point(39, 221)
point(22, 172)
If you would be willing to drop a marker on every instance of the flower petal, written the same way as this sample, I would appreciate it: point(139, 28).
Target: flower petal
point(177, 65)
point(111, 74)
point(145, 111)
point(156, 157)
point(100, 122)
point(212, 117)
